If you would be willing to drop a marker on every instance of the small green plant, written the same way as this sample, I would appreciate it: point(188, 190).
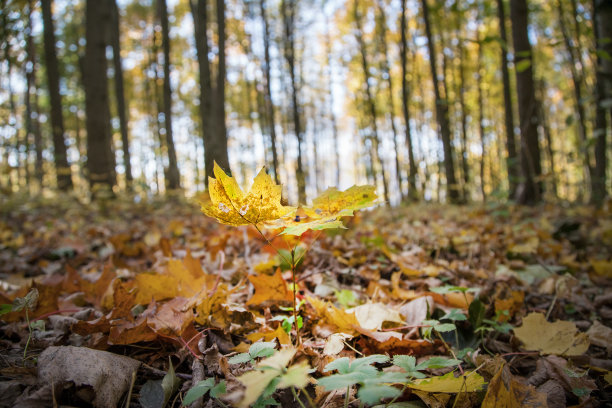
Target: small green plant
point(375, 384)
point(27, 303)
point(201, 388)
point(261, 207)
point(256, 350)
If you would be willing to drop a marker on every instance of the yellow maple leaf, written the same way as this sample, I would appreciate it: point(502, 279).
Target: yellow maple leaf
point(228, 204)
point(328, 208)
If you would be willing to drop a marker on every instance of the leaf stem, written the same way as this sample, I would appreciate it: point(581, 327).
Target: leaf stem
point(296, 397)
point(294, 287)
point(25, 350)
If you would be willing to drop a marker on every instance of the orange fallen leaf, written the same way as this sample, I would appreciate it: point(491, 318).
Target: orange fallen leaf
point(279, 333)
point(269, 288)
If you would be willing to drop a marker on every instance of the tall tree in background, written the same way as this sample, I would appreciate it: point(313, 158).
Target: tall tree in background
point(512, 165)
point(576, 73)
point(173, 179)
point(330, 102)
point(386, 73)
point(31, 101)
point(371, 104)
point(62, 169)
point(602, 15)
point(122, 109)
point(452, 189)
point(100, 155)
point(412, 170)
point(212, 97)
point(530, 189)
point(268, 103)
point(289, 13)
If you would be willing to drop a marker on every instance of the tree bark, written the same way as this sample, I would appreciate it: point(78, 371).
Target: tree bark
point(384, 65)
point(481, 129)
point(100, 160)
point(530, 188)
point(577, 81)
point(412, 170)
point(330, 106)
point(62, 168)
point(212, 98)
point(288, 9)
point(31, 120)
point(602, 15)
point(371, 105)
point(268, 103)
point(173, 179)
point(512, 165)
point(122, 109)
point(452, 189)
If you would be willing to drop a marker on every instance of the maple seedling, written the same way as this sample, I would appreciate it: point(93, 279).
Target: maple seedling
point(261, 207)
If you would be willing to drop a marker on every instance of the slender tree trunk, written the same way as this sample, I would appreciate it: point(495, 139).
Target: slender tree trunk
point(511, 159)
point(268, 103)
point(212, 98)
point(602, 15)
point(173, 179)
point(441, 114)
point(481, 129)
point(288, 8)
point(31, 120)
point(464, 113)
point(371, 105)
point(330, 106)
point(541, 85)
point(384, 65)
point(577, 82)
point(122, 109)
point(412, 170)
point(530, 189)
point(100, 160)
point(62, 168)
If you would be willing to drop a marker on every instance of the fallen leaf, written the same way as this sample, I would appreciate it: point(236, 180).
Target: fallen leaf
point(371, 316)
point(600, 335)
point(269, 288)
point(504, 391)
point(560, 337)
point(471, 381)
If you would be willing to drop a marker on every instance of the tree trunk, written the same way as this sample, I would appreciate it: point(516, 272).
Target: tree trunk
point(212, 98)
point(464, 113)
point(330, 106)
point(412, 170)
point(512, 166)
point(122, 109)
point(288, 8)
point(173, 179)
point(384, 66)
point(602, 15)
point(577, 81)
point(452, 189)
point(371, 105)
point(62, 168)
point(481, 129)
point(31, 119)
point(547, 134)
point(100, 160)
point(268, 103)
point(530, 188)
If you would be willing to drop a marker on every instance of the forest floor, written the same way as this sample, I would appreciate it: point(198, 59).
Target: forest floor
point(497, 305)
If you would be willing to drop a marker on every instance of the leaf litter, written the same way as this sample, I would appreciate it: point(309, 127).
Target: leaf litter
point(424, 305)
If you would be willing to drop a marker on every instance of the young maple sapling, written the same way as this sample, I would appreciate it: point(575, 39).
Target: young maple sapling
point(261, 207)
